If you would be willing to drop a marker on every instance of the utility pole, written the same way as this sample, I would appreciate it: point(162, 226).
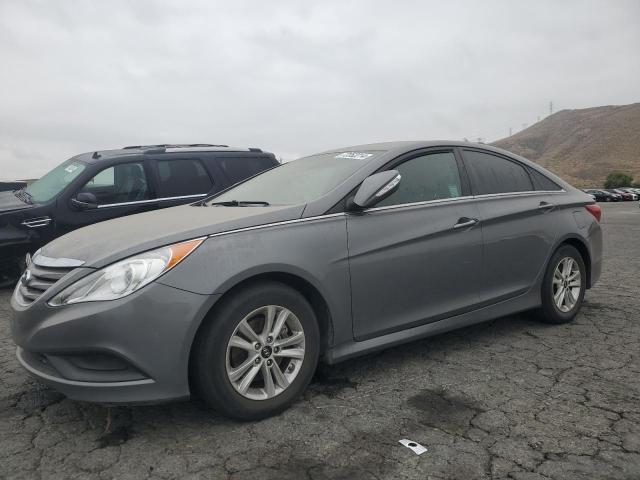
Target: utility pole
point(550, 108)
point(510, 131)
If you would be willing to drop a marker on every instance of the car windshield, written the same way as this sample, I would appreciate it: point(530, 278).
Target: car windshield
point(55, 181)
point(299, 181)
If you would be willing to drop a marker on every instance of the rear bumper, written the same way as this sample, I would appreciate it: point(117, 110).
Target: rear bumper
point(132, 350)
point(595, 248)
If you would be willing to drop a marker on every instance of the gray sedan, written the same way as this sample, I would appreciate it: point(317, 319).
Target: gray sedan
point(238, 297)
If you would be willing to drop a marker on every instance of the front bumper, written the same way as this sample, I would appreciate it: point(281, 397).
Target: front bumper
point(132, 350)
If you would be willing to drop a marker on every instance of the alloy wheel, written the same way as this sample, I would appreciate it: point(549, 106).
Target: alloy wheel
point(265, 352)
point(567, 282)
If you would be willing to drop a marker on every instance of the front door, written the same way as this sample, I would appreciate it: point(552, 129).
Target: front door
point(416, 256)
point(120, 190)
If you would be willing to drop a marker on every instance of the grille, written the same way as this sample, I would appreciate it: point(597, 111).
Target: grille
point(36, 280)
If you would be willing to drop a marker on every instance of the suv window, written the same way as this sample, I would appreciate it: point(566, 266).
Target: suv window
point(541, 182)
point(240, 168)
point(126, 182)
point(429, 177)
point(493, 174)
point(181, 177)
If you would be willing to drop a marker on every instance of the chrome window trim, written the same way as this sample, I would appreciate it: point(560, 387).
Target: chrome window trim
point(467, 197)
point(528, 193)
point(275, 224)
point(151, 200)
point(417, 204)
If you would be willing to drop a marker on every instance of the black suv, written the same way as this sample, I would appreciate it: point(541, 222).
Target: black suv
point(102, 185)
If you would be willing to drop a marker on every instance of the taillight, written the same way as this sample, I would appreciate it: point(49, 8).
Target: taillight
point(594, 210)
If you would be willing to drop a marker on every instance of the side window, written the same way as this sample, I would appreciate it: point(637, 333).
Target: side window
point(493, 174)
point(241, 168)
point(122, 183)
point(541, 182)
point(429, 177)
point(181, 177)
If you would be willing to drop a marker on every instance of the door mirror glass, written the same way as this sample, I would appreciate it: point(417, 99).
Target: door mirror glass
point(375, 188)
point(85, 201)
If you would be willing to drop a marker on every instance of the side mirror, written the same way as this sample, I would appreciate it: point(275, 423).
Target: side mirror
point(374, 189)
point(85, 201)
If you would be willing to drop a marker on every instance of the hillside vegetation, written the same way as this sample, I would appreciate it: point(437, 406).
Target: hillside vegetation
point(583, 146)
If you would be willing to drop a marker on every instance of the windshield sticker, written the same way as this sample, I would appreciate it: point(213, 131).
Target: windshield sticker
point(71, 168)
point(354, 155)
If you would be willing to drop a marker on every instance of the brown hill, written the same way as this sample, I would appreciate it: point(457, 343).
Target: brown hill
point(583, 146)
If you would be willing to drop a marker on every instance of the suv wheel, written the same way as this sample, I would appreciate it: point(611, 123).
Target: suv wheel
point(257, 352)
point(563, 286)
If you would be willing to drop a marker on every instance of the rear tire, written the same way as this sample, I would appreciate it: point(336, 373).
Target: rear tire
point(563, 286)
point(282, 362)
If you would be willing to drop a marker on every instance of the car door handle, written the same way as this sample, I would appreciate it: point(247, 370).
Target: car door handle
point(546, 206)
point(466, 222)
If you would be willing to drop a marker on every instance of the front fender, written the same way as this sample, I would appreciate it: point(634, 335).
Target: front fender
point(314, 250)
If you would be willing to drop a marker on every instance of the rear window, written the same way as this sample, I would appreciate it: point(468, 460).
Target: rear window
point(182, 177)
point(541, 182)
point(240, 168)
point(492, 174)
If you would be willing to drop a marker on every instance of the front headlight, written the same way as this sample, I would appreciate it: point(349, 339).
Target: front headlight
point(126, 276)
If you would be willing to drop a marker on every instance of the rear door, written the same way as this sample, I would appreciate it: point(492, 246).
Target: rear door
point(415, 257)
point(519, 222)
point(181, 180)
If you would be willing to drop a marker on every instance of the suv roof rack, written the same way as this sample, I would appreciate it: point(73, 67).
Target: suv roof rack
point(174, 145)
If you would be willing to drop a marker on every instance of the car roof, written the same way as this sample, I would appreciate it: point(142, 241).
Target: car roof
point(136, 150)
point(400, 147)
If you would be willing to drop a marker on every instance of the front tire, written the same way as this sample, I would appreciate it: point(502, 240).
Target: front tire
point(257, 352)
point(563, 286)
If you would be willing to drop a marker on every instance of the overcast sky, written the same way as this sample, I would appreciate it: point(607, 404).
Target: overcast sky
point(297, 77)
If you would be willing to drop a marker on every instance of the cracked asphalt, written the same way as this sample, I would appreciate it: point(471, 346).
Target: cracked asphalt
point(511, 398)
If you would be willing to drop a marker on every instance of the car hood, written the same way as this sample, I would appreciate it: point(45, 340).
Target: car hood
point(9, 202)
point(106, 242)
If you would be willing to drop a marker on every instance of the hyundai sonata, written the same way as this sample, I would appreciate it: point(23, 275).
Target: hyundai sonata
point(239, 296)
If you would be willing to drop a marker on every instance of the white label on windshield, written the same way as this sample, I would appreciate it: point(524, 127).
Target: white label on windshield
point(354, 155)
point(71, 168)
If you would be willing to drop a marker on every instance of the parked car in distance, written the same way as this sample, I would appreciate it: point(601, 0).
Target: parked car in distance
point(625, 196)
point(631, 191)
point(97, 186)
point(603, 195)
point(237, 297)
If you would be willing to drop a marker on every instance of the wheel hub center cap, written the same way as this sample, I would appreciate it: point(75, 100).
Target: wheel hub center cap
point(266, 351)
